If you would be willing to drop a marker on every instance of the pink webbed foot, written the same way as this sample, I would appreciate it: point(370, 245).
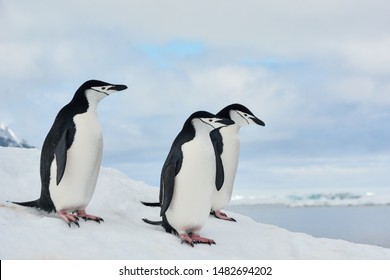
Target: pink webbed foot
point(193, 239)
point(85, 216)
point(198, 239)
point(185, 238)
point(69, 218)
point(219, 215)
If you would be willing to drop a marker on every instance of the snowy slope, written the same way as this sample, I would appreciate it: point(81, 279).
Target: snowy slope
point(29, 234)
point(9, 139)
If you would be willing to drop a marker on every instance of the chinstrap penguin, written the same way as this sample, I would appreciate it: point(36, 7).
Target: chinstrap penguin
point(71, 155)
point(227, 144)
point(229, 152)
point(190, 172)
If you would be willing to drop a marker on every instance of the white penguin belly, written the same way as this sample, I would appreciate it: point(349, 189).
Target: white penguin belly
point(82, 166)
point(229, 157)
point(191, 201)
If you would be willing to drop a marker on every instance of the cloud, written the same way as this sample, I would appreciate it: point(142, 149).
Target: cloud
point(297, 173)
point(363, 90)
point(370, 57)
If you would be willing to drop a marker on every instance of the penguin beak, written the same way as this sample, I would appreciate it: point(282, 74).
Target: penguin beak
point(225, 121)
point(107, 90)
point(117, 87)
point(257, 121)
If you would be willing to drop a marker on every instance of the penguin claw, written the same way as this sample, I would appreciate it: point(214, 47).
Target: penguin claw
point(69, 218)
point(189, 243)
point(98, 220)
point(186, 239)
point(222, 216)
point(86, 217)
point(198, 239)
point(70, 224)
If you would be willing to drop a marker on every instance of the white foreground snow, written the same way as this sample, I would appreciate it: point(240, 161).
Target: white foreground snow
point(30, 234)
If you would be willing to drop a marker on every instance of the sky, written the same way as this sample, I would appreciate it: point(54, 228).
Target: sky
point(316, 72)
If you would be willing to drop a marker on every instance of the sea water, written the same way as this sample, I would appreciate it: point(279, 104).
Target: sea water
point(356, 216)
point(359, 224)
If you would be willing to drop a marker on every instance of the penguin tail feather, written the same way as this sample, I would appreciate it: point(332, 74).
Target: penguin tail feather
point(155, 223)
point(34, 203)
point(151, 204)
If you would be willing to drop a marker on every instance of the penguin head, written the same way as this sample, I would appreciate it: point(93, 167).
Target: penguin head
point(240, 114)
point(203, 120)
point(95, 90)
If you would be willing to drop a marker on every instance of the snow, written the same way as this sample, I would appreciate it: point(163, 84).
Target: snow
point(31, 234)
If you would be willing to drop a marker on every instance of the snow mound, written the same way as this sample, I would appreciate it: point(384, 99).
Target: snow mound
point(31, 234)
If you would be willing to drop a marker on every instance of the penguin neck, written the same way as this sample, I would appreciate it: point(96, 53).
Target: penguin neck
point(231, 131)
point(202, 133)
point(234, 127)
point(93, 100)
point(92, 107)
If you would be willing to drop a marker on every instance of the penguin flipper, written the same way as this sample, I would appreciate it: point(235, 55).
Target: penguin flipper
point(171, 168)
point(60, 152)
point(220, 175)
point(167, 186)
point(216, 139)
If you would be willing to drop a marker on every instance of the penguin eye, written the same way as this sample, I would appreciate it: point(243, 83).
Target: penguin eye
point(103, 88)
point(245, 115)
point(210, 120)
